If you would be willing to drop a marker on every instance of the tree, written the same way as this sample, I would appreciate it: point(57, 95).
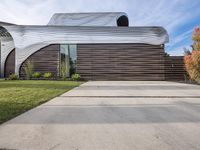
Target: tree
point(192, 61)
point(196, 39)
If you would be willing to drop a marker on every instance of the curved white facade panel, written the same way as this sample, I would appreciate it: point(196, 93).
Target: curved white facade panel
point(29, 39)
point(6, 47)
point(86, 19)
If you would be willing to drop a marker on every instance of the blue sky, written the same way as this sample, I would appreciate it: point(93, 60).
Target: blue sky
point(179, 17)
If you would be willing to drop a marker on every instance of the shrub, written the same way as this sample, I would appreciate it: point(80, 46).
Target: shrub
point(28, 69)
point(13, 77)
point(76, 77)
point(47, 75)
point(36, 75)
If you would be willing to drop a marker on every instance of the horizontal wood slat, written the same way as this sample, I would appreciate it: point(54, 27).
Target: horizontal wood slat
point(113, 62)
point(120, 61)
point(44, 60)
point(174, 68)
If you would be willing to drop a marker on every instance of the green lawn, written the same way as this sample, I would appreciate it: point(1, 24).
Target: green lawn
point(19, 96)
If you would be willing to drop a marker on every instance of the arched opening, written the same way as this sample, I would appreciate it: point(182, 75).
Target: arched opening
point(123, 21)
point(10, 64)
point(43, 60)
point(59, 59)
point(7, 53)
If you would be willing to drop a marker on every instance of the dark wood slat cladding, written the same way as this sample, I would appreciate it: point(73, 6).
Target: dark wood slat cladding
point(120, 61)
point(174, 68)
point(10, 64)
point(45, 60)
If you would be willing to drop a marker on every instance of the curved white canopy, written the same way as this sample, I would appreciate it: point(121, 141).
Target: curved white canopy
point(86, 19)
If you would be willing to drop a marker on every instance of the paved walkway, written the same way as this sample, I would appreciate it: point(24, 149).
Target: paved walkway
point(111, 116)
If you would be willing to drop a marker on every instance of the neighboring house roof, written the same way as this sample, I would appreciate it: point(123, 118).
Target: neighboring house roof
point(87, 19)
point(4, 33)
point(6, 23)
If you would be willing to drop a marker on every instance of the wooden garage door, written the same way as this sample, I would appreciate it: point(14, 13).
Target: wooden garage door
point(120, 61)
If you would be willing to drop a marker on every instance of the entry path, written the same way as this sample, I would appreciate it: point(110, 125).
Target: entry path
point(111, 115)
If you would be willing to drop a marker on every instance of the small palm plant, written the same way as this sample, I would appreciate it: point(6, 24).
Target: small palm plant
point(28, 69)
point(63, 72)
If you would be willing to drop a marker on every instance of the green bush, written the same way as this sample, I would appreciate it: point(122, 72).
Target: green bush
point(47, 75)
point(13, 77)
point(28, 69)
point(36, 75)
point(76, 77)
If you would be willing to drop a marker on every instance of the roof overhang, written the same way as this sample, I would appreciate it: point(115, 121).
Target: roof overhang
point(25, 36)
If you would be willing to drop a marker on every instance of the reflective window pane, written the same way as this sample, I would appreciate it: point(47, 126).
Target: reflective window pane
point(73, 58)
point(68, 59)
point(64, 61)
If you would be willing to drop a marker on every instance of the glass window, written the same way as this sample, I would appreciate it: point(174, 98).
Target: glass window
point(64, 61)
point(73, 58)
point(68, 59)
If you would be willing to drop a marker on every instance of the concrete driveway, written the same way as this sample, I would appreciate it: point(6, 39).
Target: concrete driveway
point(111, 116)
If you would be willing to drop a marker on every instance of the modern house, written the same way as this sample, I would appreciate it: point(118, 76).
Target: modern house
point(98, 46)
